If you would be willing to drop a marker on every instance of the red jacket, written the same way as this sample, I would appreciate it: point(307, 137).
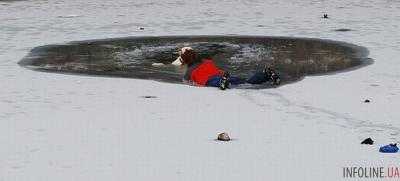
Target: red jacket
point(199, 73)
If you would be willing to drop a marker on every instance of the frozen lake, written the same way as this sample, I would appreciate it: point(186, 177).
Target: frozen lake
point(71, 127)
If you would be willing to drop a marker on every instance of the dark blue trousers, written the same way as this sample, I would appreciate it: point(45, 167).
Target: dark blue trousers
point(257, 78)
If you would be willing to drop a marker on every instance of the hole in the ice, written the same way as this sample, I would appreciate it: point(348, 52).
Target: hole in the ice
point(150, 57)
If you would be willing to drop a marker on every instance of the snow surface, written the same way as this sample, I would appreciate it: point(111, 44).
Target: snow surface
point(82, 128)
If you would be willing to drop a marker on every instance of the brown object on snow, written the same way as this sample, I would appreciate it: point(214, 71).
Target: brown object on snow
point(223, 137)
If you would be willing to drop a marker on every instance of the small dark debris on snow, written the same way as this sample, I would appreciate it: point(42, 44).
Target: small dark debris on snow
point(368, 141)
point(223, 137)
point(367, 101)
point(149, 97)
point(325, 16)
point(141, 28)
point(343, 29)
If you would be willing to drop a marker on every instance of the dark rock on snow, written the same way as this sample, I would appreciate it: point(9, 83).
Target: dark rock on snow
point(368, 141)
point(223, 137)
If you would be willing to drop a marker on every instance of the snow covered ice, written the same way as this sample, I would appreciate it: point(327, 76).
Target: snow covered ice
point(72, 127)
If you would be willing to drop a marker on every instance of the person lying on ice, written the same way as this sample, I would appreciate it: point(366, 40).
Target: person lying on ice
point(203, 72)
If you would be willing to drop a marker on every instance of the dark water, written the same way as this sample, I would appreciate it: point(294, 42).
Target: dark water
point(134, 57)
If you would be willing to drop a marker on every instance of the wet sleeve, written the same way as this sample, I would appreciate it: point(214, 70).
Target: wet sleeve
point(187, 75)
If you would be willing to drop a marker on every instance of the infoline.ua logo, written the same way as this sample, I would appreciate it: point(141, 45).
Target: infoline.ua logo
point(371, 172)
